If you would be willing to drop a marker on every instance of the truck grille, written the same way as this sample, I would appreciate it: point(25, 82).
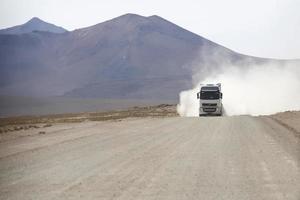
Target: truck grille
point(209, 104)
point(209, 110)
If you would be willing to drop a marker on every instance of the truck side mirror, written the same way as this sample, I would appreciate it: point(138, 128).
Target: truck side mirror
point(221, 95)
point(198, 96)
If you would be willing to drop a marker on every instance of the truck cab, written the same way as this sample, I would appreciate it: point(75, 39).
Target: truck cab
point(210, 100)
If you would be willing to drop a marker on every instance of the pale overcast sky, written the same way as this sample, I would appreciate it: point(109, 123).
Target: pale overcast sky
point(265, 28)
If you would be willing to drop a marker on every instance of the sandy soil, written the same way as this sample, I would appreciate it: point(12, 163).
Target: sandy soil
point(290, 120)
point(151, 156)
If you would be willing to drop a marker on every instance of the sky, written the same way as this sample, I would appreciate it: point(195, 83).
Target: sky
point(263, 28)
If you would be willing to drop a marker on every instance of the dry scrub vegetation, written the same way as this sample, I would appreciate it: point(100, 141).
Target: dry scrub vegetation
point(33, 122)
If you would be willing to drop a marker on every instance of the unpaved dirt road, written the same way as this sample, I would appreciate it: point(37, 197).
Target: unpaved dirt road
point(228, 158)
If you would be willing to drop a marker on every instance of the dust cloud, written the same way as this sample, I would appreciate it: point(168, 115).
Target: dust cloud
point(254, 90)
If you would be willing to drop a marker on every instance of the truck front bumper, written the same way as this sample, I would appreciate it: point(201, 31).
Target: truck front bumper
point(210, 111)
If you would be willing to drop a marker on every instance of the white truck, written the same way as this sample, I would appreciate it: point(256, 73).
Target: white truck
point(210, 97)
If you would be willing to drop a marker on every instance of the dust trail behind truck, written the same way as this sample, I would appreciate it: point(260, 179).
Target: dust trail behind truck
point(210, 100)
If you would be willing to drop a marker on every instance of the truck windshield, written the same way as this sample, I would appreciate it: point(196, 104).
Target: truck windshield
point(209, 95)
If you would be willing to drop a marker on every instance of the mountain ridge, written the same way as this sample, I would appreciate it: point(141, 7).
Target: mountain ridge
point(34, 24)
point(130, 56)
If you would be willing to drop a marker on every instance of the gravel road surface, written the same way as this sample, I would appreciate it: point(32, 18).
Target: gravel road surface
point(228, 158)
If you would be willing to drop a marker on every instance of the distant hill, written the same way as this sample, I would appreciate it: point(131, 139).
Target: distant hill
point(128, 57)
point(35, 24)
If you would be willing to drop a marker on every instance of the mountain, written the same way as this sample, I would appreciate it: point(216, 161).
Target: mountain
point(128, 57)
point(35, 24)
